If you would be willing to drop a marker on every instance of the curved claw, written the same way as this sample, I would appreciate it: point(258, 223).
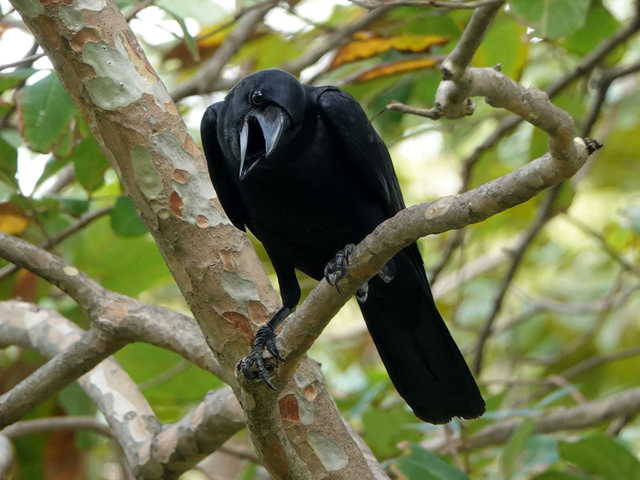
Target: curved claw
point(263, 373)
point(273, 350)
point(265, 339)
point(336, 268)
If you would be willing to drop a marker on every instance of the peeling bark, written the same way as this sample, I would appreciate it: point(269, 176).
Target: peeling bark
point(106, 73)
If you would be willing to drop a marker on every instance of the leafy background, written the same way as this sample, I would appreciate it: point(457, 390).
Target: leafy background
point(574, 297)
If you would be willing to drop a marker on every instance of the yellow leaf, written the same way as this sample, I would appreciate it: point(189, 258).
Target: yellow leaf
point(12, 219)
point(394, 68)
point(366, 46)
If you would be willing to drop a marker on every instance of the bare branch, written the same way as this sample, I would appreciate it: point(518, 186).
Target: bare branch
point(117, 320)
point(213, 263)
point(543, 216)
point(585, 415)
point(41, 425)
point(415, 222)
point(87, 350)
point(27, 61)
point(432, 113)
point(586, 65)
point(160, 453)
point(458, 60)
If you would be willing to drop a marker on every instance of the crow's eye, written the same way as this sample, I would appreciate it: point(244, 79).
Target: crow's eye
point(255, 97)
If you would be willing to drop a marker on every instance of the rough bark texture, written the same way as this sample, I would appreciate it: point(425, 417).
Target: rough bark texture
point(104, 69)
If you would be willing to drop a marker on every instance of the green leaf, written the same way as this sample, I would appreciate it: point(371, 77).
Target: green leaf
point(125, 220)
point(552, 19)
point(503, 44)
point(128, 265)
point(74, 206)
point(384, 428)
point(515, 446)
point(45, 112)
point(420, 464)
point(600, 24)
point(8, 163)
point(13, 79)
point(602, 456)
point(90, 164)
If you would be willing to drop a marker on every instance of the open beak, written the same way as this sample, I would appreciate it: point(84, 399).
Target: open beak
point(259, 137)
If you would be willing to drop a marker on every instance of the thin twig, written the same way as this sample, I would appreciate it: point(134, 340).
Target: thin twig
point(604, 243)
point(584, 415)
point(454, 241)
point(182, 366)
point(458, 60)
point(586, 65)
point(27, 61)
point(543, 215)
point(42, 425)
point(432, 113)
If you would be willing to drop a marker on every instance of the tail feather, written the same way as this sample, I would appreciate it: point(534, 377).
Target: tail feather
point(422, 359)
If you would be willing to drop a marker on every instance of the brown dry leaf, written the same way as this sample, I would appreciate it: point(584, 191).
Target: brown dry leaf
point(366, 46)
point(13, 220)
point(395, 67)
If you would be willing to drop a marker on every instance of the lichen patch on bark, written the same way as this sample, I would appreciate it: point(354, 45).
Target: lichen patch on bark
point(147, 176)
point(120, 78)
point(328, 451)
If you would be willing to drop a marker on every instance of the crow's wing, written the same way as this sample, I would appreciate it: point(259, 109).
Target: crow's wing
point(218, 171)
point(364, 147)
point(367, 152)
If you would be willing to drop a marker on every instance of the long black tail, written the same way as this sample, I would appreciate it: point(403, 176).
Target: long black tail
point(422, 359)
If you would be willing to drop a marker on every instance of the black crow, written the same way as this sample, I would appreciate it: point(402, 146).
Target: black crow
point(305, 171)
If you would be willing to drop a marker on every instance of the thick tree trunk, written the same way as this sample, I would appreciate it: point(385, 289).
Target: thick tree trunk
point(299, 434)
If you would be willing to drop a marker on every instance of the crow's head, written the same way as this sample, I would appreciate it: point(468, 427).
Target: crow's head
point(263, 112)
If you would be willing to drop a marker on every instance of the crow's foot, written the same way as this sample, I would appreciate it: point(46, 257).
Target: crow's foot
point(337, 267)
point(265, 338)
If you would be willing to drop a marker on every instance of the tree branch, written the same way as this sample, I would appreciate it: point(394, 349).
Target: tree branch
point(543, 215)
point(458, 60)
point(116, 321)
point(161, 453)
point(42, 425)
point(214, 264)
point(585, 415)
